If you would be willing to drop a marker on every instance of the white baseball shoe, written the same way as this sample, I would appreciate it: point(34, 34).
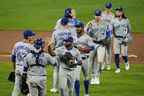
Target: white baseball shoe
point(96, 81)
point(28, 94)
point(127, 66)
point(53, 90)
point(92, 81)
point(86, 95)
point(108, 67)
point(117, 70)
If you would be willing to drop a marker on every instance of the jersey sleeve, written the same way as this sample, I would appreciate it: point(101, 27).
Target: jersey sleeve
point(53, 39)
point(57, 26)
point(50, 59)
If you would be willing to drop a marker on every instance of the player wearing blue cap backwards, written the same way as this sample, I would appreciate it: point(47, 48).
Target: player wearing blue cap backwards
point(97, 30)
point(85, 45)
point(35, 68)
point(19, 51)
point(108, 16)
point(71, 15)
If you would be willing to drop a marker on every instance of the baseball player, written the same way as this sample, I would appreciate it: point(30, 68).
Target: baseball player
point(71, 15)
point(57, 41)
point(35, 67)
point(69, 58)
point(20, 50)
point(122, 36)
point(97, 29)
point(85, 45)
point(108, 16)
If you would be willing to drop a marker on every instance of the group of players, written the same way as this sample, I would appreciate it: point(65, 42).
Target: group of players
point(73, 48)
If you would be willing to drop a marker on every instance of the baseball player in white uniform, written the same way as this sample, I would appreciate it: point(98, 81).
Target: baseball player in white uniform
point(20, 50)
point(98, 29)
point(85, 45)
point(69, 58)
point(57, 41)
point(35, 68)
point(122, 36)
point(108, 16)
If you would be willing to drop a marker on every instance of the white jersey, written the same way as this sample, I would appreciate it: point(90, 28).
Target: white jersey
point(59, 35)
point(20, 50)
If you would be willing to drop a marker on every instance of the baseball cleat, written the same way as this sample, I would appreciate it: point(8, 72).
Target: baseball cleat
point(117, 71)
point(86, 95)
point(127, 66)
point(96, 81)
point(53, 90)
point(108, 67)
point(92, 81)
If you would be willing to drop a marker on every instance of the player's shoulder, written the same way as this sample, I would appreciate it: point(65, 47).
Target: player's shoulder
point(19, 43)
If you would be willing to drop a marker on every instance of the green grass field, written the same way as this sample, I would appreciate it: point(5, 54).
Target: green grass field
point(124, 84)
point(42, 14)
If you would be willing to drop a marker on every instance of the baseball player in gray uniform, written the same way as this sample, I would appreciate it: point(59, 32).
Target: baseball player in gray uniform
point(35, 68)
point(108, 16)
point(85, 45)
point(122, 36)
point(98, 29)
point(69, 58)
point(57, 41)
point(20, 50)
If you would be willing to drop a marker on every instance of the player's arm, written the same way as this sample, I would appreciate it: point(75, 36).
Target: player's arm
point(129, 27)
point(51, 60)
point(13, 58)
point(51, 45)
point(88, 28)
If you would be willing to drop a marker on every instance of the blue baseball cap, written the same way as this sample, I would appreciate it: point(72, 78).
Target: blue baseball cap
point(67, 12)
point(28, 33)
point(64, 21)
point(39, 43)
point(79, 24)
point(98, 12)
point(108, 5)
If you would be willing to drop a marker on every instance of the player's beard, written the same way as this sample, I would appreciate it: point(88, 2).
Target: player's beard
point(68, 46)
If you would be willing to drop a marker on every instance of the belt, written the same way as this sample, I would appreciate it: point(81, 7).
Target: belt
point(85, 57)
point(37, 65)
point(119, 36)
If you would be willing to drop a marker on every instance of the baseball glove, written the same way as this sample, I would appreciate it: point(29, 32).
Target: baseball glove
point(84, 49)
point(68, 59)
point(24, 86)
point(11, 77)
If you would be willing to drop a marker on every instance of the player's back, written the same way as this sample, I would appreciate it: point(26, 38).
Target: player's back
point(21, 49)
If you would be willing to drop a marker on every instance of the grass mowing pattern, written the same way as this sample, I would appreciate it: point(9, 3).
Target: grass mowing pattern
point(43, 14)
point(123, 84)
